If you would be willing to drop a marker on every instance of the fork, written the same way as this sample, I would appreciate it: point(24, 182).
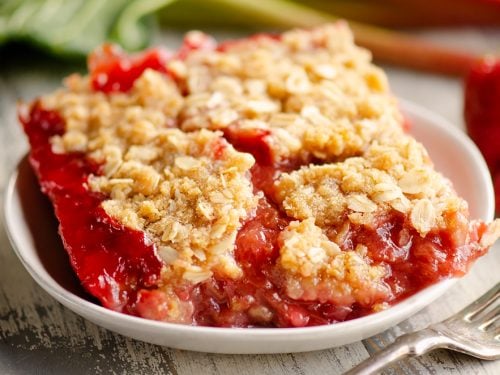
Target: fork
point(471, 331)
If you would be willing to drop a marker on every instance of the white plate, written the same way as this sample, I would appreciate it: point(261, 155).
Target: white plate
point(33, 234)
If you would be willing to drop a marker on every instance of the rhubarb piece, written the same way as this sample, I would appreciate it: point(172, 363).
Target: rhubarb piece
point(262, 182)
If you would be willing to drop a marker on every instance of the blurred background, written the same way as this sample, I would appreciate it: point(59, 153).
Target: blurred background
point(436, 53)
point(72, 28)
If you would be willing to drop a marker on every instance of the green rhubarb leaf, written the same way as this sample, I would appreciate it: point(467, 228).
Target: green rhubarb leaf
point(74, 28)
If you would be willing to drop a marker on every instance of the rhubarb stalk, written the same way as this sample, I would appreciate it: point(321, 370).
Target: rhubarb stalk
point(388, 46)
point(413, 13)
point(482, 114)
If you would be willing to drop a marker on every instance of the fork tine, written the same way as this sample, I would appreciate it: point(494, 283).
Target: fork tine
point(497, 333)
point(490, 318)
point(472, 310)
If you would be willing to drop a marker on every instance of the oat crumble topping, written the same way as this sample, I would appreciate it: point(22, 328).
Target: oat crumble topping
point(317, 269)
point(170, 184)
point(315, 91)
point(393, 174)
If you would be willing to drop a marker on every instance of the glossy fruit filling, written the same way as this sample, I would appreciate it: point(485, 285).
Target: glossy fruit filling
point(121, 268)
point(112, 262)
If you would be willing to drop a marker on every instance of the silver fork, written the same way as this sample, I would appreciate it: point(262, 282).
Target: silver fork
point(471, 331)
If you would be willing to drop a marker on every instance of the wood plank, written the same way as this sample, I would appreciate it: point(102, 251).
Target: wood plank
point(335, 360)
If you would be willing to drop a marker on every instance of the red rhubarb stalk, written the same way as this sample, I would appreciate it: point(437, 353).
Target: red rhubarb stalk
point(388, 46)
point(482, 114)
point(413, 13)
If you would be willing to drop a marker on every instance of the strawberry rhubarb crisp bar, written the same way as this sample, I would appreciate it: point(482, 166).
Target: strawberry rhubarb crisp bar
point(262, 182)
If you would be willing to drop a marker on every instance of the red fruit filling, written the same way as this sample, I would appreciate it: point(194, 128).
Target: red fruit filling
point(112, 262)
point(113, 70)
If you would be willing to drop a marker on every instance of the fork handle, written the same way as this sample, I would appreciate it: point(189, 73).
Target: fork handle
point(408, 345)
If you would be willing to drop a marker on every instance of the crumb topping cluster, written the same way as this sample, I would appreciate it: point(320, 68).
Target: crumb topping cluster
point(190, 192)
point(168, 170)
point(315, 92)
point(317, 269)
point(392, 174)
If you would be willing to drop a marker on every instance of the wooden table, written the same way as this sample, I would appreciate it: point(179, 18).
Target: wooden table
point(38, 335)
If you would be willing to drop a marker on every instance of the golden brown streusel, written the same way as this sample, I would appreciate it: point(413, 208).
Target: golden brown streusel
point(168, 183)
point(192, 202)
point(317, 269)
point(391, 175)
point(315, 91)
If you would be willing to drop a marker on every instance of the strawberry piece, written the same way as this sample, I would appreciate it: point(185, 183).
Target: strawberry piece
point(111, 69)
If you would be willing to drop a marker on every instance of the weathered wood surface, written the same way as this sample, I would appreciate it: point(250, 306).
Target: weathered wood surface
point(39, 336)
